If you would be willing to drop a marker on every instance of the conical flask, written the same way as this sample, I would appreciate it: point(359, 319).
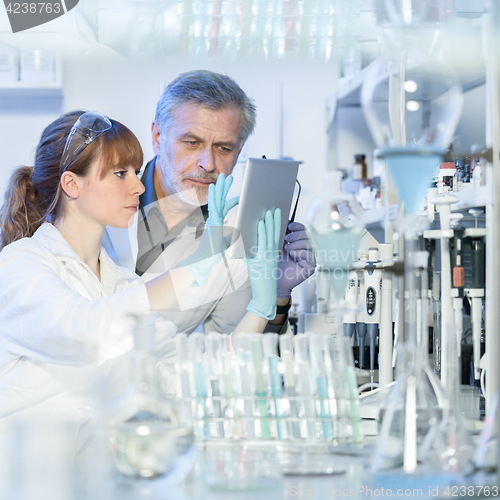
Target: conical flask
point(146, 438)
point(410, 420)
point(408, 433)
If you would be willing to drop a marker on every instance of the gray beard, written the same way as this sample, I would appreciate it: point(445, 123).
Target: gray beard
point(194, 196)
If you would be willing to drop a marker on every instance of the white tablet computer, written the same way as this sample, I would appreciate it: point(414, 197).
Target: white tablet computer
point(267, 184)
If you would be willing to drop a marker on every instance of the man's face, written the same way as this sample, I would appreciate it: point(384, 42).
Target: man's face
point(199, 145)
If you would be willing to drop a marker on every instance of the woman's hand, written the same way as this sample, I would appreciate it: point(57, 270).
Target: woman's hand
point(263, 267)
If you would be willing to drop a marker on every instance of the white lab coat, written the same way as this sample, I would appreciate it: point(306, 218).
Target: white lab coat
point(62, 335)
point(220, 303)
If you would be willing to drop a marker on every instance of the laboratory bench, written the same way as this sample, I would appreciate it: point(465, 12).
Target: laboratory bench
point(248, 470)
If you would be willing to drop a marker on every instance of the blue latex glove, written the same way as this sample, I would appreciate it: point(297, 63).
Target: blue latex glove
point(263, 267)
point(297, 260)
point(212, 244)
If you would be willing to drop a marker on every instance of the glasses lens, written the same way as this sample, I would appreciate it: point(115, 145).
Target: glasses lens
point(87, 128)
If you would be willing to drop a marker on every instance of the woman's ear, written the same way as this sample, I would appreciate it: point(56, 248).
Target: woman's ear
point(69, 184)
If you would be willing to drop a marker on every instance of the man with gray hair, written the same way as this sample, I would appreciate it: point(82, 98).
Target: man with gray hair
point(202, 121)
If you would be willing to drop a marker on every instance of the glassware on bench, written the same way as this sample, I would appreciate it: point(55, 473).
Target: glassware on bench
point(146, 438)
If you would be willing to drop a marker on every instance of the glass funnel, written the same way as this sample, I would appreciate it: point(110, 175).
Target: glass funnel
point(412, 105)
point(146, 438)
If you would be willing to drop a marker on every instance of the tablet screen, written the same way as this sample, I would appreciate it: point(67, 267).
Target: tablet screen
point(267, 184)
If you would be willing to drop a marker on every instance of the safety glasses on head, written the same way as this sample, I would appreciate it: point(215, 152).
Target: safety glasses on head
point(87, 128)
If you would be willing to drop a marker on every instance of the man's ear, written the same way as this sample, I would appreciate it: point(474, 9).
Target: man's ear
point(69, 184)
point(155, 137)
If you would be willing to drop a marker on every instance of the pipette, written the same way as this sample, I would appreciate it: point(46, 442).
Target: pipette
point(351, 298)
point(385, 374)
point(373, 287)
point(195, 342)
point(474, 264)
point(443, 203)
point(361, 315)
point(457, 277)
point(270, 345)
point(302, 356)
point(286, 351)
point(319, 374)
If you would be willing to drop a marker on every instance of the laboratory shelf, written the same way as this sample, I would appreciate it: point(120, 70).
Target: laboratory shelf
point(349, 89)
point(36, 88)
point(39, 89)
point(470, 198)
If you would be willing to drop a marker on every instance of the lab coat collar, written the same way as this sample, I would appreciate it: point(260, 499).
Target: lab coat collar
point(49, 237)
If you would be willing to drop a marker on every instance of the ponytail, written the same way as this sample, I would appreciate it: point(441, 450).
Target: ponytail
point(21, 215)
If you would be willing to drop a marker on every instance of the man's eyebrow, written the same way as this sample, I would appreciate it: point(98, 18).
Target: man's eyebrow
point(190, 135)
point(230, 144)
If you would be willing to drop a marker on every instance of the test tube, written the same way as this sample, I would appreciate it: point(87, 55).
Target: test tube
point(212, 352)
point(244, 358)
point(196, 342)
point(260, 390)
point(227, 368)
point(319, 374)
point(286, 351)
point(302, 355)
point(270, 345)
point(352, 388)
point(181, 345)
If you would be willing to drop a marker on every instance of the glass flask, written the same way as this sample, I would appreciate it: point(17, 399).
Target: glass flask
point(335, 223)
point(146, 438)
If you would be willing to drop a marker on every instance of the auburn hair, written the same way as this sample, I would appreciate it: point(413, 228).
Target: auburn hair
point(34, 194)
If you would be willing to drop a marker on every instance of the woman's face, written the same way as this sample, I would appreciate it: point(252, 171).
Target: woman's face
point(111, 200)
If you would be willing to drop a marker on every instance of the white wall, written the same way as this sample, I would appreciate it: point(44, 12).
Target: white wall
point(128, 91)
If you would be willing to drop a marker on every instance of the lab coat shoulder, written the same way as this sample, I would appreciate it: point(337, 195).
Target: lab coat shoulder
point(54, 309)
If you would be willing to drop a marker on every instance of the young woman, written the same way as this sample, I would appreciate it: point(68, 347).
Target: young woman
point(61, 296)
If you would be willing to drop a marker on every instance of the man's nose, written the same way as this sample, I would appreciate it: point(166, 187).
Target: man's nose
point(206, 160)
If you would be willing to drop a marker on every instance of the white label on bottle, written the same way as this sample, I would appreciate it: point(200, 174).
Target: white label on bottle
point(357, 172)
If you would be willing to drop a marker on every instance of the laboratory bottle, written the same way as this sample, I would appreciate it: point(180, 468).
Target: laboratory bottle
point(145, 435)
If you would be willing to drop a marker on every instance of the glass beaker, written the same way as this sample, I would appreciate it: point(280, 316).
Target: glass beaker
point(145, 436)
